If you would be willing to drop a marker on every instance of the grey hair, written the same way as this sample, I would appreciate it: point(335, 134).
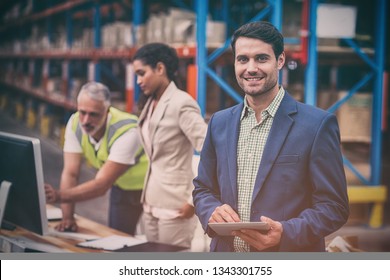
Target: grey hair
point(96, 91)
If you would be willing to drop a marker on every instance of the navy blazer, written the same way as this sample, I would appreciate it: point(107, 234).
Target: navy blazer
point(300, 182)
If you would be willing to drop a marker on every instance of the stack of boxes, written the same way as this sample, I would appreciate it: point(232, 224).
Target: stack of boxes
point(178, 27)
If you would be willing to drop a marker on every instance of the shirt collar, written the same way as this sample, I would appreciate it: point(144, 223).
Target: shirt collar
point(95, 143)
point(271, 109)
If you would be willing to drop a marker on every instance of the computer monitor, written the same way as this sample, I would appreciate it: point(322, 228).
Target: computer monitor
point(21, 165)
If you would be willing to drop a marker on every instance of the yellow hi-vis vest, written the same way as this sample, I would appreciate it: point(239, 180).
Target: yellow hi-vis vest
point(120, 122)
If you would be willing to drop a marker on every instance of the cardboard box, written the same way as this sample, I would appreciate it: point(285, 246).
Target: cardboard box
point(171, 28)
point(216, 32)
point(124, 34)
point(140, 34)
point(354, 118)
point(108, 40)
point(336, 21)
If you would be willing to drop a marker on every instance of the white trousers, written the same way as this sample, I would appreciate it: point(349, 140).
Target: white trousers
point(176, 231)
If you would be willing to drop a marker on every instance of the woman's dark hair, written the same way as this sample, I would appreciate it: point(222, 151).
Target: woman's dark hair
point(153, 53)
point(261, 30)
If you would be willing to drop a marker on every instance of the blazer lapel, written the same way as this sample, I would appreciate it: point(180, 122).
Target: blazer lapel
point(144, 112)
point(278, 134)
point(156, 117)
point(160, 109)
point(141, 119)
point(232, 132)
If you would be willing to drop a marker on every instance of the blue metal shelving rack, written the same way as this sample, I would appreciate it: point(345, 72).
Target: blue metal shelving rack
point(376, 75)
point(273, 10)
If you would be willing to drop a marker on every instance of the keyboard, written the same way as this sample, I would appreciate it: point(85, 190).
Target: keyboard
point(24, 244)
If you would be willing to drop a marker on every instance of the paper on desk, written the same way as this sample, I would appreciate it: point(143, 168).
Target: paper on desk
point(112, 242)
point(53, 214)
point(72, 235)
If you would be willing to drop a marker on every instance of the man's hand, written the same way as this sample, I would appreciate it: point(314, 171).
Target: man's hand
point(67, 225)
point(262, 241)
point(52, 195)
point(187, 211)
point(224, 214)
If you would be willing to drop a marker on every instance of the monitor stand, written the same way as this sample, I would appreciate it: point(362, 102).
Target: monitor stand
point(4, 190)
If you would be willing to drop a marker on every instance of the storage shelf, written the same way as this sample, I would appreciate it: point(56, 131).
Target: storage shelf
point(44, 14)
point(327, 54)
point(52, 98)
point(91, 54)
point(335, 55)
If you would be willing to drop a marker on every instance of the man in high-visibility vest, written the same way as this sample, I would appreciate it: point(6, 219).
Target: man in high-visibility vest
point(108, 139)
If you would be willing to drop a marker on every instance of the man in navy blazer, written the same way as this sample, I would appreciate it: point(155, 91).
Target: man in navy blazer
point(270, 159)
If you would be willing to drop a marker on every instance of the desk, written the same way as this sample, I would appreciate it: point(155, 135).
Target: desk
point(85, 226)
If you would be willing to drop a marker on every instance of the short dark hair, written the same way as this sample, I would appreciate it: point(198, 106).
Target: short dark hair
point(153, 53)
point(261, 30)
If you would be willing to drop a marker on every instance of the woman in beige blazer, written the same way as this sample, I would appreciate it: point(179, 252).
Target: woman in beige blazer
point(171, 128)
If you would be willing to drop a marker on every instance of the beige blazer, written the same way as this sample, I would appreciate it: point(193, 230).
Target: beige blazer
point(176, 129)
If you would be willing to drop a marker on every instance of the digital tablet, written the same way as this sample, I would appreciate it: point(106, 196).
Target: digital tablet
point(227, 228)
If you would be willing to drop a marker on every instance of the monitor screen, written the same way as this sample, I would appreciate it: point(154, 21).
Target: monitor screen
point(21, 165)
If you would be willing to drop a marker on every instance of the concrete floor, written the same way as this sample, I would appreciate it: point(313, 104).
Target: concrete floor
point(368, 239)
